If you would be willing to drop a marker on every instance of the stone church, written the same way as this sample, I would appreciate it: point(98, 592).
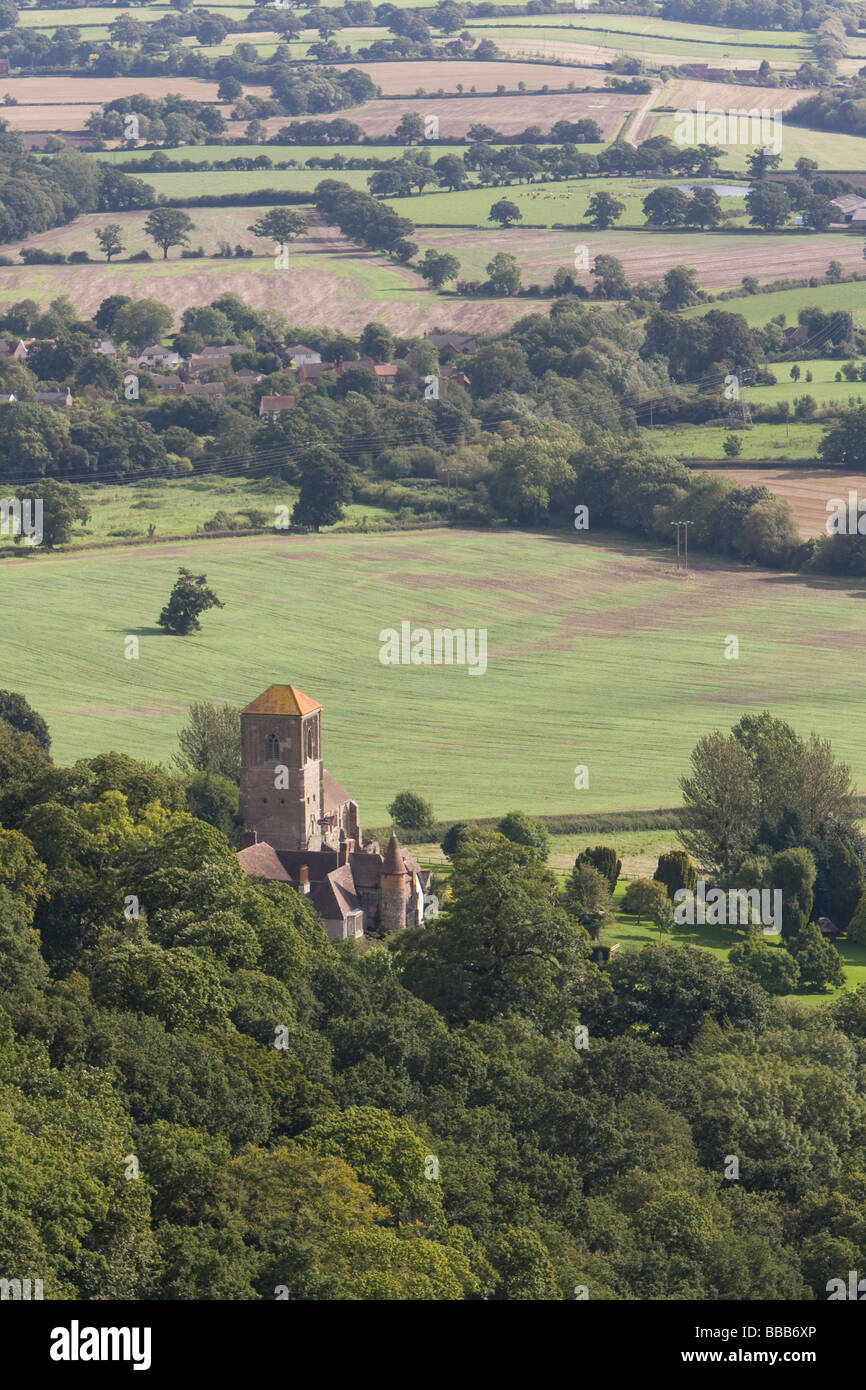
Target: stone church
point(303, 827)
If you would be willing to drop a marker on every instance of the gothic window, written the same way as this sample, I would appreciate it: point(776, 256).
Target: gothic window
point(273, 748)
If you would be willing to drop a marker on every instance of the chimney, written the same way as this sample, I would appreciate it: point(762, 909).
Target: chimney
point(248, 838)
point(304, 879)
point(345, 849)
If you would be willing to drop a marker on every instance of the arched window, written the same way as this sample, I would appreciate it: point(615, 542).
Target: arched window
point(273, 748)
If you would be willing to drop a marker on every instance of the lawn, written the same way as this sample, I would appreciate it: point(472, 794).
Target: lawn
point(599, 655)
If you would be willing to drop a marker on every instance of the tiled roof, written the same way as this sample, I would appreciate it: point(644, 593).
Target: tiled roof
point(334, 793)
point(262, 860)
point(282, 699)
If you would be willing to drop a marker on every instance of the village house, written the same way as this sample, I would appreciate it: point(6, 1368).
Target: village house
point(274, 405)
point(106, 348)
point(303, 827)
point(302, 356)
point(6, 400)
point(17, 353)
point(54, 397)
point(156, 356)
point(248, 376)
point(212, 390)
point(452, 344)
point(168, 385)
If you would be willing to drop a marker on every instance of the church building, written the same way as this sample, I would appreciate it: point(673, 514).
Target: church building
point(304, 828)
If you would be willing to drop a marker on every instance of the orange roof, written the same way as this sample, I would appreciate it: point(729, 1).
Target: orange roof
point(282, 699)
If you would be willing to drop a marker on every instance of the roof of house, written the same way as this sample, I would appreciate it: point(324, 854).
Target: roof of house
point(225, 350)
point(281, 699)
point(452, 340)
point(5, 400)
point(295, 348)
point(53, 397)
point(204, 388)
point(393, 858)
point(276, 403)
point(848, 202)
point(335, 896)
point(262, 860)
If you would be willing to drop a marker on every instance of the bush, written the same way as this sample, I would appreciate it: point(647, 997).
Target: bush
point(525, 830)
point(78, 258)
point(452, 835)
point(412, 813)
point(587, 897)
point(857, 925)
point(771, 967)
point(141, 256)
point(820, 963)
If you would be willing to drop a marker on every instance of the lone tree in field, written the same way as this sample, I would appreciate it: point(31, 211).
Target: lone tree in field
point(211, 741)
point(437, 267)
point(168, 227)
point(189, 598)
point(110, 239)
point(604, 210)
point(326, 483)
point(411, 812)
point(505, 212)
point(280, 225)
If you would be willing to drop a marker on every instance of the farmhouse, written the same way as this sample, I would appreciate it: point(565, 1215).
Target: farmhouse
point(303, 827)
point(54, 397)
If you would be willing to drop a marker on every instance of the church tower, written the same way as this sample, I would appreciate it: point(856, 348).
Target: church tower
point(282, 775)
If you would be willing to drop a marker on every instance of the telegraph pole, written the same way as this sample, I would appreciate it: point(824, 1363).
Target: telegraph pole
point(685, 525)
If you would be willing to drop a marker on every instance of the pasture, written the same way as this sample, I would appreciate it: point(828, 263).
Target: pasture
point(762, 441)
point(599, 655)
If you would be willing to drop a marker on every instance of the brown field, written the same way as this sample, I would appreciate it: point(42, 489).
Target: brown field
point(403, 79)
point(63, 103)
point(330, 282)
point(808, 491)
point(720, 261)
point(681, 95)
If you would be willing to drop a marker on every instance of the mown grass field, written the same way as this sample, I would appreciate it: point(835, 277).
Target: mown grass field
point(831, 149)
point(653, 37)
point(599, 655)
point(758, 309)
point(279, 153)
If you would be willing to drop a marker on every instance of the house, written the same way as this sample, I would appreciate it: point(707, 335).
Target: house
point(828, 928)
point(17, 353)
point(450, 373)
point(302, 356)
point(6, 400)
point(156, 356)
point(317, 369)
point(248, 376)
point(54, 397)
point(795, 336)
point(224, 352)
point(168, 385)
point(452, 344)
point(106, 347)
point(303, 827)
point(274, 405)
point(213, 390)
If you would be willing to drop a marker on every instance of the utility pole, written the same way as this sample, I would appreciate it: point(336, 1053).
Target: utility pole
point(685, 525)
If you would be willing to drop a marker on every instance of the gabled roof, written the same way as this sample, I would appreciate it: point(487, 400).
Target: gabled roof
point(282, 699)
point(262, 861)
point(334, 794)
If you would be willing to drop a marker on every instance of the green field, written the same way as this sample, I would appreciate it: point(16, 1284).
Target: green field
point(281, 153)
point(762, 441)
point(831, 150)
point(599, 655)
point(650, 36)
point(650, 30)
point(758, 309)
point(179, 507)
point(220, 181)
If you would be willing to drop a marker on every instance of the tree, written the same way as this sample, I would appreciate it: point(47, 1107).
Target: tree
point(412, 812)
point(793, 871)
point(768, 206)
point(603, 858)
point(587, 897)
point(168, 227)
point(142, 322)
point(280, 225)
point(110, 239)
point(451, 171)
point(437, 267)
point(720, 802)
point(326, 483)
point(675, 870)
point(761, 162)
point(732, 445)
point(16, 711)
point(771, 967)
point(680, 288)
point(189, 598)
point(666, 207)
point(857, 924)
point(211, 741)
point(62, 506)
point(604, 210)
point(410, 128)
point(522, 829)
point(505, 212)
point(108, 311)
point(610, 273)
point(642, 897)
point(377, 341)
point(504, 273)
point(704, 208)
point(819, 962)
